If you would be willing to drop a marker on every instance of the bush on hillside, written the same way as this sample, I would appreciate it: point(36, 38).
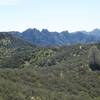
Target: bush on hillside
point(94, 58)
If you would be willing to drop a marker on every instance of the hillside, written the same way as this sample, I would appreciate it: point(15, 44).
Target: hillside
point(46, 73)
point(10, 48)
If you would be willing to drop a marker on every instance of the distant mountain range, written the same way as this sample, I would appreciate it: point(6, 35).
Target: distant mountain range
point(30, 72)
point(46, 38)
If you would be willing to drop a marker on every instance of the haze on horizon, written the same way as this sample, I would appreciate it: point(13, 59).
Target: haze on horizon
point(54, 15)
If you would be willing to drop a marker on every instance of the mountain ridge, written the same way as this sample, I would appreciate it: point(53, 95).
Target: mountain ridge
point(47, 38)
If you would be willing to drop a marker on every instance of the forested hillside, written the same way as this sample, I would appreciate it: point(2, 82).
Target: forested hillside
point(30, 72)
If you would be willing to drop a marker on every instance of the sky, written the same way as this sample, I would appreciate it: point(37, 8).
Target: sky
point(54, 15)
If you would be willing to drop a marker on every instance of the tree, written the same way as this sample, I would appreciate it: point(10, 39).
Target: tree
point(94, 58)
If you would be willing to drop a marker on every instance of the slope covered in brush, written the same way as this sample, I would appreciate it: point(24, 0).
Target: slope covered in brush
point(46, 73)
point(10, 49)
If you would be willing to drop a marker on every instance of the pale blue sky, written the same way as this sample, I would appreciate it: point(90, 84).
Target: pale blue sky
point(55, 15)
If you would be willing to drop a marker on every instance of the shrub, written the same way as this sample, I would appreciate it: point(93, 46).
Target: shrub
point(94, 58)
